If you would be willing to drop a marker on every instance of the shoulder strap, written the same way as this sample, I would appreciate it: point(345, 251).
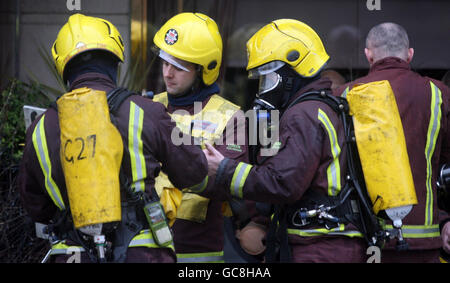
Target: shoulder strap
point(277, 244)
point(115, 98)
point(338, 104)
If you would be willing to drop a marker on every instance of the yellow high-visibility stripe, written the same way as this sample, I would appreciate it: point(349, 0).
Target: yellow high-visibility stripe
point(40, 146)
point(338, 231)
point(145, 239)
point(61, 248)
point(333, 170)
point(432, 134)
point(239, 177)
point(344, 93)
point(135, 147)
point(200, 187)
point(418, 231)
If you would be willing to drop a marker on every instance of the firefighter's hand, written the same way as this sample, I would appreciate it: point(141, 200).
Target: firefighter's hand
point(446, 237)
point(214, 158)
point(251, 238)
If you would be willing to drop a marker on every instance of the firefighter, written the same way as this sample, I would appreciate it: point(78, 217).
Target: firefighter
point(190, 47)
point(307, 168)
point(423, 104)
point(87, 53)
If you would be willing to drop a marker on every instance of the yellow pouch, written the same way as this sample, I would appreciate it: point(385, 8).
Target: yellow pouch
point(193, 208)
point(180, 205)
point(91, 155)
point(381, 145)
point(170, 198)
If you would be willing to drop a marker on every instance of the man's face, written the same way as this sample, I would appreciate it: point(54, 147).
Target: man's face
point(178, 81)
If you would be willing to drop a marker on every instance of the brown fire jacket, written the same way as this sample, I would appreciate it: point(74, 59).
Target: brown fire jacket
point(311, 156)
point(424, 108)
point(157, 149)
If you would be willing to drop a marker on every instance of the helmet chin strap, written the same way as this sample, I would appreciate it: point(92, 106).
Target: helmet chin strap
point(288, 84)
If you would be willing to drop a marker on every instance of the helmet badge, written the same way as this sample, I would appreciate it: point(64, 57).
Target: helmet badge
point(171, 36)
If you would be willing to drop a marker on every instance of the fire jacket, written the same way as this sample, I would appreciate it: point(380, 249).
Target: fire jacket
point(310, 157)
point(198, 228)
point(146, 130)
point(424, 108)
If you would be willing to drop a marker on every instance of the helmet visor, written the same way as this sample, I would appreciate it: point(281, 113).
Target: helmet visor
point(265, 69)
point(268, 82)
point(172, 60)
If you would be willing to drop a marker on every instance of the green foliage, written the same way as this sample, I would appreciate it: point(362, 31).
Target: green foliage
point(17, 240)
point(48, 59)
point(12, 124)
point(135, 75)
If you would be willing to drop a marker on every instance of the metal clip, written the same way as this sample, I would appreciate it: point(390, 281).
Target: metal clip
point(320, 212)
point(100, 241)
point(303, 215)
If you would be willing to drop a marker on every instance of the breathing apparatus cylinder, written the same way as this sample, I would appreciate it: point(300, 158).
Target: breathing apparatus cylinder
point(382, 150)
point(91, 155)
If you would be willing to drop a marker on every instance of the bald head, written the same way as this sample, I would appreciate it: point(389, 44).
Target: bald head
point(388, 40)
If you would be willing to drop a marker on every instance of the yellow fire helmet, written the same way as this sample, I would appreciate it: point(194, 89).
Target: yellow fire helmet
point(195, 38)
point(289, 41)
point(83, 33)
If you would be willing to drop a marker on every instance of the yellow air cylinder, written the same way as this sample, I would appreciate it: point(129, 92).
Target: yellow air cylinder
point(91, 154)
point(381, 145)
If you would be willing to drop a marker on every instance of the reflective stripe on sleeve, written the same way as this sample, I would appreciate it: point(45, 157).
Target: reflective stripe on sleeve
point(40, 146)
point(239, 177)
point(199, 187)
point(135, 147)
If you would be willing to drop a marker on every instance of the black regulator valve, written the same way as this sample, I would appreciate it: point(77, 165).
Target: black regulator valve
point(444, 177)
point(443, 184)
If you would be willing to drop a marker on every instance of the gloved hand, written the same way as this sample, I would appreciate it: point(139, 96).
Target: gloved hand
point(251, 238)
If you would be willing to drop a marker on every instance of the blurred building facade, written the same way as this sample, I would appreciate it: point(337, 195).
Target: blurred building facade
point(27, 24)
